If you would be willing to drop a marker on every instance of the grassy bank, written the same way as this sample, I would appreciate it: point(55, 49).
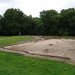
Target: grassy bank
point(14, 64)
point(6, 40)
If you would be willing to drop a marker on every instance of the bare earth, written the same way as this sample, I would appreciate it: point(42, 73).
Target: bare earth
point(55, 49)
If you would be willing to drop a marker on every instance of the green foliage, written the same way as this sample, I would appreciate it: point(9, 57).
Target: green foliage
point(1, 22)
point(68, 21)
point(46, 18)
point(14, 19)
point(14, 64)
point(13, 39)
point(50, 23)
point(30, 26)
point(39, 26)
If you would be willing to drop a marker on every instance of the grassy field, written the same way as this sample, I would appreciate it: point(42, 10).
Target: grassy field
point(6, 40)
point(14, 64)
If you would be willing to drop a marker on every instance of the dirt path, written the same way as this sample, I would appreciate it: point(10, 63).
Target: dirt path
point(55, 49)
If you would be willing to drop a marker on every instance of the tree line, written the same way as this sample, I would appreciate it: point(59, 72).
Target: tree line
point(50, 22)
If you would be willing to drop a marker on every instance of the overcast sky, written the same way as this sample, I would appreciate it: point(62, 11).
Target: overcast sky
point(33, 7)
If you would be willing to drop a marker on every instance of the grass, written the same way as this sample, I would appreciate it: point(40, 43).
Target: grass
point(6, 40)
point(15, 64)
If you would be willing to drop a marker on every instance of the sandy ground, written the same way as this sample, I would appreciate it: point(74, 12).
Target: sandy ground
point(63, 49)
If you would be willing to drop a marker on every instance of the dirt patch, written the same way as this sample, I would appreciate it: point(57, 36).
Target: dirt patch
point(57, 49)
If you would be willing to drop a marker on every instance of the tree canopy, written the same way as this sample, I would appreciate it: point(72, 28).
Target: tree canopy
point(50, 22)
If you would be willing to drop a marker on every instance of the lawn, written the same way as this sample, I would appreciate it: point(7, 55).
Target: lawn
point(6, 40)
point(15, 64)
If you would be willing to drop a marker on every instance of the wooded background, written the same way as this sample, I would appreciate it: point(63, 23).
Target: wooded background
point(50, 22)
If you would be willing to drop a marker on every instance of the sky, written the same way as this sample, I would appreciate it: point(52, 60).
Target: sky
point(34, 7)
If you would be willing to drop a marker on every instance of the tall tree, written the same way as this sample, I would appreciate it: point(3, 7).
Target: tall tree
point(46, 18)
point(68, 21)
point(39, 26)
point(56, 24)
point(14, 19)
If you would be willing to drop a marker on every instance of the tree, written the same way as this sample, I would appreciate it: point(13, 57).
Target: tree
point(46, 19)
point(2, 22)
point(56, 24)
point(15, 22)
point(29, 25)
point(68, 21)
point(14, 19)
point(39, 26)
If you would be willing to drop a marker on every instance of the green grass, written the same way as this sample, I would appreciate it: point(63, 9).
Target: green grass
point(15, 64)
point(6, 40)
